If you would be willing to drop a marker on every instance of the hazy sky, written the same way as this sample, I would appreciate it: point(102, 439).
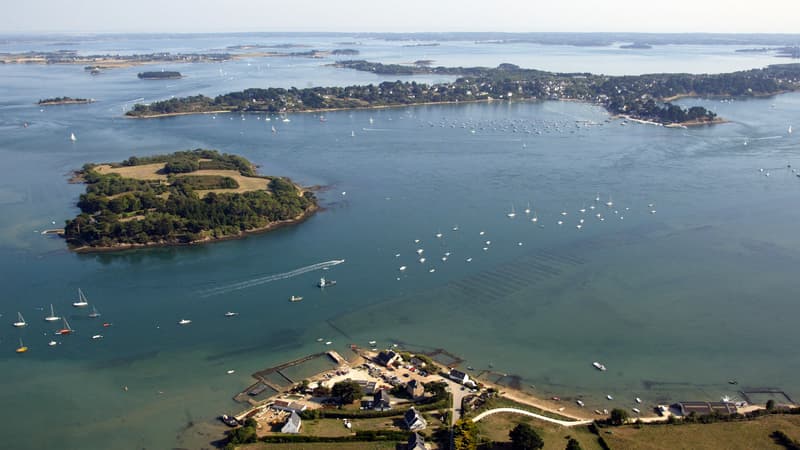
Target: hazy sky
point(744, 16)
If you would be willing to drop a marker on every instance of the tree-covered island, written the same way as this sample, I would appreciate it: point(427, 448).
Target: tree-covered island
point(64, 101)
point(182, 198)
point(160, 75)
point(643, 97)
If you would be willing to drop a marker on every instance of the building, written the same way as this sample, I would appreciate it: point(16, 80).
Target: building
point(369, 387)
point(387, 358)
point(283, 405)
point(418, 362)
point(381, 401)
point(414, 421)
point(415, 389)
point(459, 376)
point(293, 424)
point(416, 442)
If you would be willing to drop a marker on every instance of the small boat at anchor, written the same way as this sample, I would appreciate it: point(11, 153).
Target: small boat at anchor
point(323, 283)
point(22, 348)
point(52, 317)
point(81, 300)
point(295, 298)
point(20, 321)
point(231, 314)
point(94, 314)
point(599, 366)
point(184, 322)
point(66, 330)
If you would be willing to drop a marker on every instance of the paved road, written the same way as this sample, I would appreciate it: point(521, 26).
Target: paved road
point(570, 423)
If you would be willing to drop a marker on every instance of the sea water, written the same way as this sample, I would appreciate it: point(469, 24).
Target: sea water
point(675, 299)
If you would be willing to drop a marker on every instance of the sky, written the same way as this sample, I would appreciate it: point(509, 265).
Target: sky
point(186, 16)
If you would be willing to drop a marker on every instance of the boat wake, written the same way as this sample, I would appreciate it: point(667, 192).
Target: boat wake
point(268, 279)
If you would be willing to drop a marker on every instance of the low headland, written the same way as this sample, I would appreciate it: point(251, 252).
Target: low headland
point(640, 97)
point(391, 398)
point(98, 62)
point(159, 75)
point(180, 199)
point(64, 101)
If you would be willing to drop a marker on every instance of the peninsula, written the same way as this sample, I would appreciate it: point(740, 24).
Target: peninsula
point(64, 101)
point(641, 97)
point(109, 61)
point(185, 197)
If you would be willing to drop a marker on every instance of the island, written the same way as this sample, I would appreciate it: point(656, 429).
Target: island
point(642, 97)
point(187, 197)
point(637, 45)
point(64, 101)
point(94, 63)
point(162, 75)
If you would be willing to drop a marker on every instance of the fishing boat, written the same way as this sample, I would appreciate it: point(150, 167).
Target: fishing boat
point(52, 317)
point(20, 321)
point(66, 330)
point(295, 298)
point(184, 322)
point(231, 314)
point(323, 283)
point(599, 366)
point(81, 300)
point(21, 348)
point(94, 314)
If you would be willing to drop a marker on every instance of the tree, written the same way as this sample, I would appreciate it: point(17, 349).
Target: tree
point(465, 435)
point(572, 444)
point(618, 416)
point(523, 437)
point(347, 391)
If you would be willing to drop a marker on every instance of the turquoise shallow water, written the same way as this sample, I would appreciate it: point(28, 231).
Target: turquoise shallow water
point(674, 303)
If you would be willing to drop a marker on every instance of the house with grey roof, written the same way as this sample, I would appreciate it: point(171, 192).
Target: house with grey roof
point(414, 420)
point(293, 424)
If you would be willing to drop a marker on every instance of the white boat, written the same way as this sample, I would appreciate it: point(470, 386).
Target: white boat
point(81, 300)
point(94, 314)
point(608, 396)
point(352, 134)
point(636, 410)
point(97, 336)
point(439, 234)
point(273, 129)
point(184, 322)
point(72, 137)
point(789, 130)
point(402, 268)
point(372, 343)
point(580, 403)
point(421, 260)
point(535, 218)
point(599, 366)
point(286, 120)
point(323, 283)
point(528, 209)
point(231, 314)
point(328, 343)
point(638, 400)
point(231, 372)
point(469, 259)
point(371, 121)
point(513, 213)
point(295, 298)
point(610, 202)
point(20, 321)
point(52, 317)
point(52, 343)
point(420, 251)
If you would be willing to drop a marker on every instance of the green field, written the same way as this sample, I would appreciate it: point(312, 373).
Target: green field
point(495, 428)
point(717, 436)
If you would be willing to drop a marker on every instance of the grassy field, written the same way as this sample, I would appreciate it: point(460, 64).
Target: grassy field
point(150, 172)
point(323, 446)
point(717, 436)
point(496, 427)
point(501, 402)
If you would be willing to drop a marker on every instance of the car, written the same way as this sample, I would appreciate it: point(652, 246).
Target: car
point(406, 375)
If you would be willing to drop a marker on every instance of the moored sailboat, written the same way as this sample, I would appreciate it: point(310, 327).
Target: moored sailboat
point(81, 300)
point(52, 317)
point(20, 321)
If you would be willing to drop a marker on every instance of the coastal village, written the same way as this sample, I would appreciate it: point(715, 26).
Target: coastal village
point(410, 401)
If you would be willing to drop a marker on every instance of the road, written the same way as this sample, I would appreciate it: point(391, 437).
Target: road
point(566, 423)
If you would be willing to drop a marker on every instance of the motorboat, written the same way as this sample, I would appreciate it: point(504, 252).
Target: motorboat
point(599, 366)
point(229, 420)
point(231, 314)
point(184, 322)
point(295, 298)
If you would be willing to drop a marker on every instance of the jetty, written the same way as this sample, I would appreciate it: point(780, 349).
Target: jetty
point(274, 379)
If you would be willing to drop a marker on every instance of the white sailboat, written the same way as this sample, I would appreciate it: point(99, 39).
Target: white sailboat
point(94, 314)
point(81, 300)
point(513, 213)
point(52, 317)
point(528, 209)
point(790, 129)
point(72, 137)
point(20, 321)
